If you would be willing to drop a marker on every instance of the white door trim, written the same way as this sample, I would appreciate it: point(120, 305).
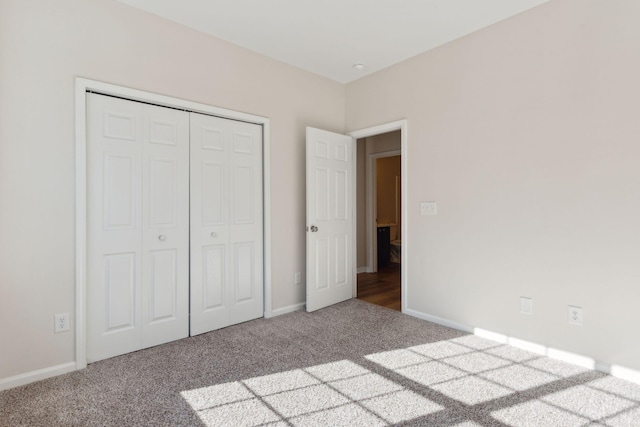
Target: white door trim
point(402, 126)
point(372, 206)
point(82, 86)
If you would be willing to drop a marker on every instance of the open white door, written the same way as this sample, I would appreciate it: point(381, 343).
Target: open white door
point(330, 218)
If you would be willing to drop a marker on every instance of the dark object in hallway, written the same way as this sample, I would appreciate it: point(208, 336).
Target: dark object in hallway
point(384, 243)
point(381, 288)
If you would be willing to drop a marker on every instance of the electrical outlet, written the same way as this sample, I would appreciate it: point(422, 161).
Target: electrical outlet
point(298, 278)
point(61, 322)
point(575, 315)
point(526, 305)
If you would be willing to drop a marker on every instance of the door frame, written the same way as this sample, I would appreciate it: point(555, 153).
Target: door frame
point(82, 86)
point(402, 126)
point(372, 206)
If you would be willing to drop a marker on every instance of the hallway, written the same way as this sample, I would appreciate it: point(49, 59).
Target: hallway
point(381, 288)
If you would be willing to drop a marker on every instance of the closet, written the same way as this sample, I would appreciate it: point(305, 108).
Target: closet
point(174, 224)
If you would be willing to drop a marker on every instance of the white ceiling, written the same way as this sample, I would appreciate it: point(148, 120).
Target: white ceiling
point(328, 37)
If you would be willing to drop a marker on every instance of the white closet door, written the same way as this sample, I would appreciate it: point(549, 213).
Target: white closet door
point(165, 236)
point(226, 223)
point(137, 262)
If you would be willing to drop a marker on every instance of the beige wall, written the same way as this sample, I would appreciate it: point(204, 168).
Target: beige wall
point(527, 134)
point(43, 46)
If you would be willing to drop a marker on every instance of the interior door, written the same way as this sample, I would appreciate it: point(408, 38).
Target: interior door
point(165, 223)
point(137, 233)
point(330, 218)
point(226, 223)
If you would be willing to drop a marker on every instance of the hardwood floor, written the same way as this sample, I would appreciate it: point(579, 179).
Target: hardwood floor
point(381, 288)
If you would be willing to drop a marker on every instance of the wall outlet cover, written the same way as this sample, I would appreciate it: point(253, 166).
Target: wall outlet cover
point(526, 305)
point(575, 315)
point(61, 322)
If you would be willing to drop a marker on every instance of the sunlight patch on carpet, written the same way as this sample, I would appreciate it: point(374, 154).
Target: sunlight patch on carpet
point(426, 383)
point(338, 393)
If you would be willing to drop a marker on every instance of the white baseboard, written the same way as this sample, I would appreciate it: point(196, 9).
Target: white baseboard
point(363, 270)
point(287, 309)
point(622, 372)
point(628, 374)
point(439, 320)
point(33, 376)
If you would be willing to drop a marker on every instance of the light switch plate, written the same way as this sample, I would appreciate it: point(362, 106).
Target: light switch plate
point(428, 208)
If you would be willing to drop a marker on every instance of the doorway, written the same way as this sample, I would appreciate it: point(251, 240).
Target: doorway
point(347, 203)
point(381, 281)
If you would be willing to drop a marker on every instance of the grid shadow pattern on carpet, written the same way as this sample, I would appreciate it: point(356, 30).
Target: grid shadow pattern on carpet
point(352, 364)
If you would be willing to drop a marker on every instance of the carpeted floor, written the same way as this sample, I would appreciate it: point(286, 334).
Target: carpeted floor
point(351, 364)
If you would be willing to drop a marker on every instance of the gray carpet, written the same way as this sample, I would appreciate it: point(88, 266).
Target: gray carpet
point(351, 364)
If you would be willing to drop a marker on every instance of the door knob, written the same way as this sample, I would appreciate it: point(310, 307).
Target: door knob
point(314, 228)
point(162, 237)
point(214, 234)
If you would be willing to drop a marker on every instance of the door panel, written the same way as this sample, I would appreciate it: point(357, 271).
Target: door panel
point(163, 131)
point(341, 191)
point(226, 223)
point(214, 193)
point(341, 251)
point(321, 194)
point(244, 271)
point(214, 263)
point(330, 213)
point(114, 247)
point(137, 233)
point(243, 195)
point(163, 285)
point(321, 258)
point(165, 227)
point(119, 191)
point(121, 122)
point(120, 287)
point(163, 205)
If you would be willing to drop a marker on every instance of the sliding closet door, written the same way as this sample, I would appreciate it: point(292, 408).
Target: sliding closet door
point(226, 223)
point(137, 233)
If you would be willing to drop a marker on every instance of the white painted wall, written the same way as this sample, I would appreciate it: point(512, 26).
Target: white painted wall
point(527, 134)
point(44, 45)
